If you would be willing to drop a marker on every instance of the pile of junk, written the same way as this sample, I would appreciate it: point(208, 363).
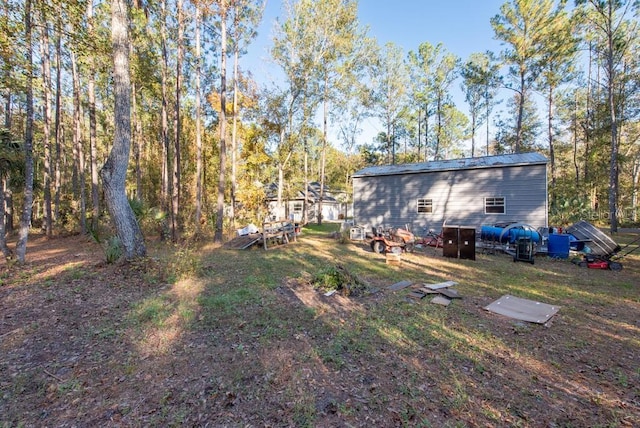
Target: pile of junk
point(594, 248)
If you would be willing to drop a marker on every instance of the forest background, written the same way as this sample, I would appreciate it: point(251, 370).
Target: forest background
point(158, 91)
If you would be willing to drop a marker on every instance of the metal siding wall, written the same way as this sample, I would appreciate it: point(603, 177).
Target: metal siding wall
point(458, 198)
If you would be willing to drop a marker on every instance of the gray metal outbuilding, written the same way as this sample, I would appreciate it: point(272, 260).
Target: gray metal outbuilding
point(471, 192)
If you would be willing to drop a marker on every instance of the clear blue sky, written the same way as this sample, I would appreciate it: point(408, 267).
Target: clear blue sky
point(462, 26)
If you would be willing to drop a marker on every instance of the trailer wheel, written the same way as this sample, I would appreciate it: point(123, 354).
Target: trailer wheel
point(377, 247)
point(615, 266)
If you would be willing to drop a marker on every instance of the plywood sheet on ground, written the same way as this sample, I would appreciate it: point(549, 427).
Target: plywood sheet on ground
point(243, 242)
point(523, 309)
point(441, 285)
point(400, 285)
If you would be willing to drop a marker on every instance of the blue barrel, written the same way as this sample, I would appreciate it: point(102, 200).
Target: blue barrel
point(558, 246)
point(492, 233)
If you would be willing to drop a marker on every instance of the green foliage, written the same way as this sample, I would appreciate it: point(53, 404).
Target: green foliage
point(138, 208)
point(113, 249)
point(94, 234)
point(185, 262)
point(11, 155)
point(322, 229)
point(570, 210)
point(338, 278)
point(150, 218)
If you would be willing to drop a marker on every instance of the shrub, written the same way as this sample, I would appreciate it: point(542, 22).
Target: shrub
point(338, 278)
point(113, 249)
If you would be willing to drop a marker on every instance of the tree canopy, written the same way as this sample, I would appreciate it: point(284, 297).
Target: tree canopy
point(342, 102)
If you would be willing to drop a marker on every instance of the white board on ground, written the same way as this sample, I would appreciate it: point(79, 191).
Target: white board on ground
point(441, 285)
point(523, 309)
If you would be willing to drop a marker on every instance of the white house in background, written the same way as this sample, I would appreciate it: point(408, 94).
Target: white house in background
point(332, 208)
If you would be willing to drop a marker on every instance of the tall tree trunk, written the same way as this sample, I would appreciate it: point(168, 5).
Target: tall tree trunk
point(234, 129)
point(166, 183)
point(635, 179)
point(198, 213)
point(25, 219)
point(436, 154)
point(57, 185)
point(575, 141)
point(426, 132)
point(305, 207)
point(588, 117)
point(136, 136)
point(419, 133)
point(613, 162)
point(175, 188)
point(46, 124)
point(323, 154)
point(488, 106)
point(473, 135)
point(77, 146)
point(93, 142)
point(223, 122)
point(3, 238)
point(521, 101)
point(114, 171)
point(552, 152)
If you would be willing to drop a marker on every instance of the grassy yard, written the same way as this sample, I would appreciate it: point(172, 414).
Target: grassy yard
point(213, 337)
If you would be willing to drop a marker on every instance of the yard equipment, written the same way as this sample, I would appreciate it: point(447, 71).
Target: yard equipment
point(602, 252)
point(392, 240)
point(524, 250)
point(608, 261)
point(431, 240)
point(598, 262)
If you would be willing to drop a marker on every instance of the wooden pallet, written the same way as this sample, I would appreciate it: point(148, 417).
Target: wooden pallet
point(243, 242)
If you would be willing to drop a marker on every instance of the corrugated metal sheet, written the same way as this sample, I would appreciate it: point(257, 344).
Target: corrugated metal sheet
point(599, 243)
point(455, 164)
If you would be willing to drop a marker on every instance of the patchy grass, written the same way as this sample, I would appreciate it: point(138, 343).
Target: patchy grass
point(202, 335)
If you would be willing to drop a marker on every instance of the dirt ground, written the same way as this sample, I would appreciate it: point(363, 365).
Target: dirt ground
point(71, 356)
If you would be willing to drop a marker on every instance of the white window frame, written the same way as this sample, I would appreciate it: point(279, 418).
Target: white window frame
point(426, 204)
point(495, 202)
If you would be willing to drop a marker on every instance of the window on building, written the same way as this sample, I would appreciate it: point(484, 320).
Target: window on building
point(494, 205)
point(425, 205)
point(297, 207)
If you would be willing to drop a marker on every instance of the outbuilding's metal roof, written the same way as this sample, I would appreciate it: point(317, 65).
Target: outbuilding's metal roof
point(455, 164)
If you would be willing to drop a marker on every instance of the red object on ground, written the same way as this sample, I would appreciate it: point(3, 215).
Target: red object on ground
point(599, 264)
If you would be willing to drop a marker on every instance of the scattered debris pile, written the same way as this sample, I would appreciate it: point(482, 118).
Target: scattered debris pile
point(273, 233)
point(442, 293)
point(338, 279)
